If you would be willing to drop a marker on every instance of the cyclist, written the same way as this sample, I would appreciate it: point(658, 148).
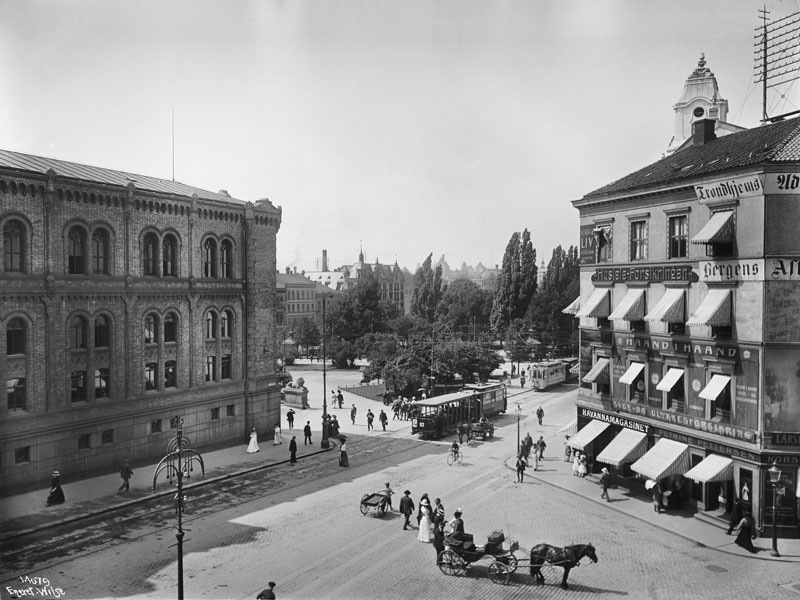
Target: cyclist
point(454, 449)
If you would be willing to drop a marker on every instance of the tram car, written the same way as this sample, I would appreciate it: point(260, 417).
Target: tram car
point(440, 416)
point(549, 373)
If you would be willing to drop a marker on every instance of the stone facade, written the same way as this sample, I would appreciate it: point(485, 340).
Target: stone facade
point(128, 300)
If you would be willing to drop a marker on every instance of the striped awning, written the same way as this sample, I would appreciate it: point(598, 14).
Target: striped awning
point(631, 308)
point(669, 380)
point(586, 436)
point(714, 387)
point(666, 458)
point(570, 428)
point(718, 229)
point(573, 308)
point(632, 373)
point(669, 309)
point(597, 305)
point(627, 447)
point(715, 309)
point(712, 468)
point(598, 373)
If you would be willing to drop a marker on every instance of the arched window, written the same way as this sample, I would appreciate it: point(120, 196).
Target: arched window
point(210, 258)
point(100, 251)
point(226, 259)
point(170, 374)
point(17, 398)
point(225, 324)
point(170, 328)
point(77, 333)
point(13, 247)
point(101, 383)
point(102, 332)
point(150, 375)
point(169, 254)
point(151, 329)
point(76, 251)
point(16, 334)
point(150, 254)
point(211, 325)
point(211, 368)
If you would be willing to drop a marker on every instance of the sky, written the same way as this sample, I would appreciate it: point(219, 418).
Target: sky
point(403, 127)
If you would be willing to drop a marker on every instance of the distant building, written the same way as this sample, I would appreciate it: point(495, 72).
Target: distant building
point(128, 300)
point(297, 299)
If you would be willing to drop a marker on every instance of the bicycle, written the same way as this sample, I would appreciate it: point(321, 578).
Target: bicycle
point(453, 457)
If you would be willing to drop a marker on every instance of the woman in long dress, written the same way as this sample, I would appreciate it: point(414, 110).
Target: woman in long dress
point(745, 533)
point(252, 447)
point(582, 470)
point(277, 439)
point(343, 462)
point(425, 526)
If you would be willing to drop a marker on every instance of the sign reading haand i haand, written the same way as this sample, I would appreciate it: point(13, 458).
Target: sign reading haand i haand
point(730, 189)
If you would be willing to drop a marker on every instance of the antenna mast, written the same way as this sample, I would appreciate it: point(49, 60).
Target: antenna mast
point(173, 143)
point(776, 56)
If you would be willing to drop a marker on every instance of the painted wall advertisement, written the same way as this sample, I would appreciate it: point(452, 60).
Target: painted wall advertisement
point(781, 390)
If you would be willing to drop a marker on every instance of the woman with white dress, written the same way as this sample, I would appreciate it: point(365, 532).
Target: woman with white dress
point(277, 439)
point(252, 447)
point(425, 525)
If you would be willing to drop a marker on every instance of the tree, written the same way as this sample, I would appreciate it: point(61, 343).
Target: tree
point(360, 310)
point(342, 353)
point(306, 333)
point(560, 286)
point(464, 306)
point(427, 290)
point(516, 285)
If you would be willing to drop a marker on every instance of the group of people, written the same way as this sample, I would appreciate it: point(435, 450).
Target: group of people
point(433, 526)
point(579, 464)
point(528, 447)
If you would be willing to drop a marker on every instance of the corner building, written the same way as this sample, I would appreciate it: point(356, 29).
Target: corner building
point(128, 300)
point(690, 322)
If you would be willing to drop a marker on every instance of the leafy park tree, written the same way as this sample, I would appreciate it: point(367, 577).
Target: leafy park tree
point(306, 333)
point(516, 285)
point(342, 353)
point(464, 306)
point(427, 290)
point(360, 310)
point(560, 286)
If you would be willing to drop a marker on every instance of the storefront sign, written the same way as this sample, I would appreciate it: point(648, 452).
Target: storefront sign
point(658, 345)
point(782, 460)
point(782, 183)
point(588, 253)
point(649, 273)
point(784, 269)
point(732, 270)
point(781, 438)
point(731, 431)
point(709, 445)
point(729, 189)
point(614, 420)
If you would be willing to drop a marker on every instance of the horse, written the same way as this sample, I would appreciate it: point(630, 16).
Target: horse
point(566, 558)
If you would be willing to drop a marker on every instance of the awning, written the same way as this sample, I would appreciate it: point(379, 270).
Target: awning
point(597, 305)
point(586, 436)
point(631, 308)
point(626, 447)
point(598, 373)
point(573, 308)
point(666, 458)
point(632, 373)
point(715, 309)
point(569, 429)
point(712, 468)
point(669, 308)
point(670, 379)
point(714, 387)
point(718, 229)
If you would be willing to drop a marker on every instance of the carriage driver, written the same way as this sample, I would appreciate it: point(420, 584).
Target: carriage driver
point(457, 526)
point(387, 496)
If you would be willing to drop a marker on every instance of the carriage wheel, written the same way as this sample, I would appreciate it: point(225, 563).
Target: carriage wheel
point(450, 563)
point(450, 459)
point(364, 507)
point(499, 573)
point(510, 561)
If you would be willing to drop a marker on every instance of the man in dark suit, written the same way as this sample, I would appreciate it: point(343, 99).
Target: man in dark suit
point(307, 433)
point(293, 450)
point(406, 507)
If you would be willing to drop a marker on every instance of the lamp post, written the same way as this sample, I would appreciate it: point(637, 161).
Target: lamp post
point(777, 490)
point(324, 443)
point(519, 413)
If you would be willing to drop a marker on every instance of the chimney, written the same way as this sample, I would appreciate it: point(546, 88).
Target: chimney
point(295, 269)
point(703, 131)
point(324, 261)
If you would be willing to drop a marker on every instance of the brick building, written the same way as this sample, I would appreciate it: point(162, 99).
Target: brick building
point(128, 300)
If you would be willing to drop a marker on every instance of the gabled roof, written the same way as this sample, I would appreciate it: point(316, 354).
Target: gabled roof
point(284, 279)
point(85, 173)
point(778, 142)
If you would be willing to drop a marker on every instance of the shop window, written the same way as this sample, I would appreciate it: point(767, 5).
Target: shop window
point(678, 236)
point(16, 335)
point(107, 437)
point(101, 383)
point(78, 386)
point(13, 247)
point(16, 394)
point(22, 455)
point(84, 441)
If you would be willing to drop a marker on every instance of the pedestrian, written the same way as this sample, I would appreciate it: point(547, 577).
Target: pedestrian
point(736, 515)
point(419, 509)
point(252, 447)
point(277, 438)
point(438, 511)
point(125, 472)
point(267, 594)
point(343, 462)
point(425, 533)
point(334, 426)
point(387, 493)
point(527, 445)
point(438, 537)
point(540, 446)
point(567, 451)
point(56, 495)
point(353, 412)
point(290, 418)
point(370, 419)
point(540, 414)
point(307, 433)
point(746, 532)
point(383, 419)
point(333, 398)
point(605, 481)
point(522, 380)
point(340, 398)
point(520, 469)
point(583, 466)
point(406, 508)
point(657, 498)
point(576, 463)
point(293, 450)
point(535, 460)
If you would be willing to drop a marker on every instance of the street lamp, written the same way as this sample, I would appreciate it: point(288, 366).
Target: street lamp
point(777, 490)
point(519, 413)
point(324, 443)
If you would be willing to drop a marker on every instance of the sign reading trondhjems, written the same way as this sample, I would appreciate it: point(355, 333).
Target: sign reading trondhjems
point(729, 189)
point(649, 273)
point(613, 419)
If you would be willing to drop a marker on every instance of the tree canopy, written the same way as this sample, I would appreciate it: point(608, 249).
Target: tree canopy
point(427, 290)
point(560, 286)
point(516, 285)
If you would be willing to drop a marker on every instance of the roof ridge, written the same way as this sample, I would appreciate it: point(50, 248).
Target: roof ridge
point(784, 142)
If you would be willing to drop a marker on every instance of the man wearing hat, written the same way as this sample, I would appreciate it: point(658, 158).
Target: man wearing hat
point(267, 594)
point(406, 507)
point(605, 481)
point(387, 494)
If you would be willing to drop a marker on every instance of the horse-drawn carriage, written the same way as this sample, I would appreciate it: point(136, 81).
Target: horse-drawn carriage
point(459, 554)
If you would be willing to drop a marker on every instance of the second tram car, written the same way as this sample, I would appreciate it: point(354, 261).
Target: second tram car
point(441, 415)
point(546, 374)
